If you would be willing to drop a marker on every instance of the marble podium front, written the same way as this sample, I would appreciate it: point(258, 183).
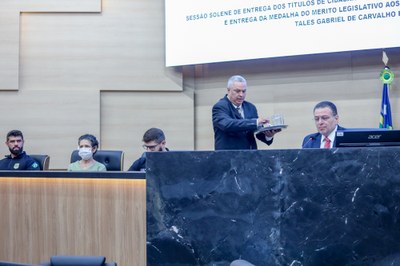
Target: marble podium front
point(274, 207)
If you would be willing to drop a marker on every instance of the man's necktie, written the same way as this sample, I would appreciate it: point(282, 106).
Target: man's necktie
point(327, 144)
point(240, 110)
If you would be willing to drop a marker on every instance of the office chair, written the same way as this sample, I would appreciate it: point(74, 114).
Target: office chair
point(9, 263)
point(113, 160)
point(78, 261)
point(42, 160)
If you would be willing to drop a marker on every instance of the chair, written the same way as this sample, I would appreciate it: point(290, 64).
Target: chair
point(42, 160)
point(78, 261)
point(8, 263)
point(113, 160)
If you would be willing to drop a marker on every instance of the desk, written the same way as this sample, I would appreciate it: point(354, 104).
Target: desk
point(69, 213)
point(307, 207)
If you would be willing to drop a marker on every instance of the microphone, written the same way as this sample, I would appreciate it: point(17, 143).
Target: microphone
point(310, 139)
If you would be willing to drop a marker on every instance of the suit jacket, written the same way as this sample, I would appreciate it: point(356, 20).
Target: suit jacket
point(231, 131)
point(314, 140)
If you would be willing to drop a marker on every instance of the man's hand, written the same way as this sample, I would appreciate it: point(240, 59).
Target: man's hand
point(272, 132)
point(262, 121)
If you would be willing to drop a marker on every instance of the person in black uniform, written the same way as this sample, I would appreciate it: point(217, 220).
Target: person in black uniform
point(18, 159)
point(154, 140)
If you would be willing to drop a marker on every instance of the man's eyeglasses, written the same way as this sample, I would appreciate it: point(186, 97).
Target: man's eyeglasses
point(150, 147)
point(323, 118)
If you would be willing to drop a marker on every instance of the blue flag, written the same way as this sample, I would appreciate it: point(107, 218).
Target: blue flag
point(386, 114)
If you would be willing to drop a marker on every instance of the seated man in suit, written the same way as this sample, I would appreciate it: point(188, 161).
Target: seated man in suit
point(154, 140)
point(235, 120)
point(326, 121)
point(18, 159)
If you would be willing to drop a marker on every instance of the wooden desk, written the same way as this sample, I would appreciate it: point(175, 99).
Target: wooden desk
point(68, 213)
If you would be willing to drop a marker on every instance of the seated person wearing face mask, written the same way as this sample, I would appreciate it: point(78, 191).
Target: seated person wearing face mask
point(88, 146)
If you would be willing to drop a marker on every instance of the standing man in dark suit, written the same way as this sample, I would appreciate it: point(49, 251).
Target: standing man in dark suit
point(326, 120)
point(235, 120)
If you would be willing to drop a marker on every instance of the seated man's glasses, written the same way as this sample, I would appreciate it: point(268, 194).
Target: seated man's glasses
point(150, 147)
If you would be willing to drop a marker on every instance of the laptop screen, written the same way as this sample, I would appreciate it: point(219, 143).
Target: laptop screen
point(367, 137)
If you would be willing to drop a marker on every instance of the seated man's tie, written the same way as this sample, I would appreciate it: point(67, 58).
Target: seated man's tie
point(327, 144)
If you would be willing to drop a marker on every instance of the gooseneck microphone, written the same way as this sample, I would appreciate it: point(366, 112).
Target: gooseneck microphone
point(310, 139)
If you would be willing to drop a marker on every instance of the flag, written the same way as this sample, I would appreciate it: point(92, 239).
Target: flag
point(386, 114)
point(386, 77)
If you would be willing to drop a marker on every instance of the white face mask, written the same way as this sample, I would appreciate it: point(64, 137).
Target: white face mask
point(85, 153)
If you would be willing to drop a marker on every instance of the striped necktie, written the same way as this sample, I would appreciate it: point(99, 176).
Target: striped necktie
point(327, 144)
point(240, 110)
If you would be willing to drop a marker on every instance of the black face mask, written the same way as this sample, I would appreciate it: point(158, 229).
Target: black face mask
point(16, 152)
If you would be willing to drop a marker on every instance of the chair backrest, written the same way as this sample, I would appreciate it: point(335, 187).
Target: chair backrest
point(42, 160)
point(113, 160)
point(8, 263)
point(78, 261)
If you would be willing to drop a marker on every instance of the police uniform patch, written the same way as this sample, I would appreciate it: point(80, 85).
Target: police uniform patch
point(16, 165)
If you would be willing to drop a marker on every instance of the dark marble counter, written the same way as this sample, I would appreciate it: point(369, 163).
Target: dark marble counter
point(274, 207)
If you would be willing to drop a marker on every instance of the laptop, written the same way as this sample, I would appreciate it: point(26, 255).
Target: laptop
point(367, 137)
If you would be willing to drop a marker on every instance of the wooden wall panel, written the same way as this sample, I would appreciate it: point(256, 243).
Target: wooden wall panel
point(60, 6)
point(120, 49)
point(42, 217)
point(10, 30)
point(9, 48)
